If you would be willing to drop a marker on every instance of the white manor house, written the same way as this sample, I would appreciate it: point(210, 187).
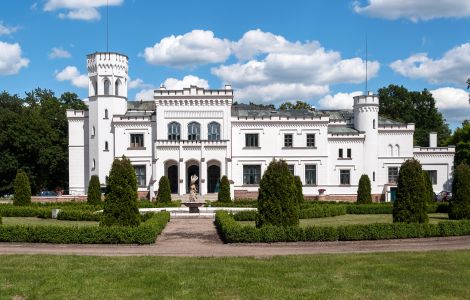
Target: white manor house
point(179, 133)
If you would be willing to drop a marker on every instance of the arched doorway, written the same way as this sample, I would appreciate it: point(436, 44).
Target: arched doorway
point(173, 178)
point(193, 169)
point(213, 179)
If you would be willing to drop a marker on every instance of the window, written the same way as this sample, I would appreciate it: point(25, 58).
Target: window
point(288, 140)
point(93, 164)
point(140, 175)
point(95, 87)
point(106, 146)
point(291, 169)
point(194, 131)
point(107, 87)
point(251, 140)
point(137, 141)
point(105, 113)
point(251, 174)
point(392, 174)
point(345, 177)
point(340, 153)
point(348, 153)
point(433, 175)
point(213, 131)
point(373, 176)
point(93, 131)
point(116, 87)
point(373, 124)
point(174, 130)
point(310, 174)
point(310, 140)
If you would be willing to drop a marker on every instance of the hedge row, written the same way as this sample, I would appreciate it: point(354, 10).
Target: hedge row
point(145, 233)
point(78, 215)
point(237, 203)
point(7, 210)
point(322, 211)
point(232, 232)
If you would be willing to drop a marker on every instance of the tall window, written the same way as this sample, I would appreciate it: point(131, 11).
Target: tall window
point(107, 87)
point(106, 146)
point(194, 131)
point(174, 130)
point(93, 164)
point(251, 174)
point(213, 131)
point(140, 175)
point(310, 140)
point(137, 141)
point(373, 124)
point(392, 174)
point(251, 140)
point(345, 177)
point(348, 153)
point(310, 174)
point(288, 140)
point(340, 153)
point(95, 87)
point(433, 175)
point(105, 113)
point(116, 87)
point(93, 131)
point(291, 169)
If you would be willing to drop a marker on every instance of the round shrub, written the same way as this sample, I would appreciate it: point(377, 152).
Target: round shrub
point(410, 205)
point(459, 207)
point(364, 191)
point(428, 187)
point(94, 190)
point(120, 207)
point(164, 190)
point(224, 192)
point(277, 200)
point(22, 189)
point(298, 190)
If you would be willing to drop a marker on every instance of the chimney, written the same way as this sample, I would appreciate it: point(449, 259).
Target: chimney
point(432, 139)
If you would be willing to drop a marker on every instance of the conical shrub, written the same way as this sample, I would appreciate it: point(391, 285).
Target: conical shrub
point(460, 202)
point(22, 189)
point(94, 191)
point(164, 190)
point(224, 191)
point(364, 195)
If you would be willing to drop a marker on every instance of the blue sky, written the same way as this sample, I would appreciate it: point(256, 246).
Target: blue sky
point(270, 51)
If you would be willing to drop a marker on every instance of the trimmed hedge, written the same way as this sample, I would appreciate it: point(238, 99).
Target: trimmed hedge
point(78, 215)
point(7, 210)
point(145, 233)
point(232, 232)
point(237, 203)
point(322, 211)
point(149, 204)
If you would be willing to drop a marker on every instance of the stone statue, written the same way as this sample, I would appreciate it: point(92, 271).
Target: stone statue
point(193, 189)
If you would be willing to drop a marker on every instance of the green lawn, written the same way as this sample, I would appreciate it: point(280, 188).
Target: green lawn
point(425, 275)
point(38, 221)
point(356, 219)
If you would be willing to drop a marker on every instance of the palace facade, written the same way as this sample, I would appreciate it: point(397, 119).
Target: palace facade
point(179, 133)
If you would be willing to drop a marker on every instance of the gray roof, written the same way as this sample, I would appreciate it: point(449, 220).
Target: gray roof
point(342, 130)
point(251, 111)
point(141, 105)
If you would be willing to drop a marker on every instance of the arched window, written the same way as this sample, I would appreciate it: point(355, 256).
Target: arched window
point(174, 131)
point(107, 86)
point(390, 150)
point(194, 131)
point(373, 124)
point(95, 88)
point(398, 149)
point(93, 164)
point(105, 113)
point(93, 131)
point(117, 84)
point(213, 131)
point(106, 146)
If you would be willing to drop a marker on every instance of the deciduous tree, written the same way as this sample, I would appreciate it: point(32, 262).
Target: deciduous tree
point(460, 202)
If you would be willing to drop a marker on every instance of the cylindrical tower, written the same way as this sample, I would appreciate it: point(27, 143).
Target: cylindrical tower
point(107, 94)
point(366, 119)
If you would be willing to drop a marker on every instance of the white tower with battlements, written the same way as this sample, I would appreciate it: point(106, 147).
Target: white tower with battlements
point(107, 94)
point(366, 119)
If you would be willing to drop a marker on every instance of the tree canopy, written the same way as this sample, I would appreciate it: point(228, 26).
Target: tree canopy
point(461, 139)
point(34, 138)
point(294, 106)
point(397, 103)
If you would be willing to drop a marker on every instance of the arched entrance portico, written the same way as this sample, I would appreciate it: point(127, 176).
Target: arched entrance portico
point(213, 177)
point(171, 169)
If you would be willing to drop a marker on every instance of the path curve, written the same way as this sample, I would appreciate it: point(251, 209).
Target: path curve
point(198, 237)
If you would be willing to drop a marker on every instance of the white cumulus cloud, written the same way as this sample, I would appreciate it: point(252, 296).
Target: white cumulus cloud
point(79, 9)
point(11, 60)
point(71, 73)
point(454, 104)
point(338, 100)
point(138, 83)
point(7, 30)
point(194, 48)
point(453, 67)
point(59, 53)
point(145, 94)
point(279, 92)
point(177, 84)
point(414, 10)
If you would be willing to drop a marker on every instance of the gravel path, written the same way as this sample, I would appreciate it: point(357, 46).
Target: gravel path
point(198, 237)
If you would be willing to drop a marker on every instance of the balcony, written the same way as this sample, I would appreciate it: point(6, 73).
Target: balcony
point(200, 143)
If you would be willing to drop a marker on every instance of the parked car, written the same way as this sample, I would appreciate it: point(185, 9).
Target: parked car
point(444, 196)
point(47, 194)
